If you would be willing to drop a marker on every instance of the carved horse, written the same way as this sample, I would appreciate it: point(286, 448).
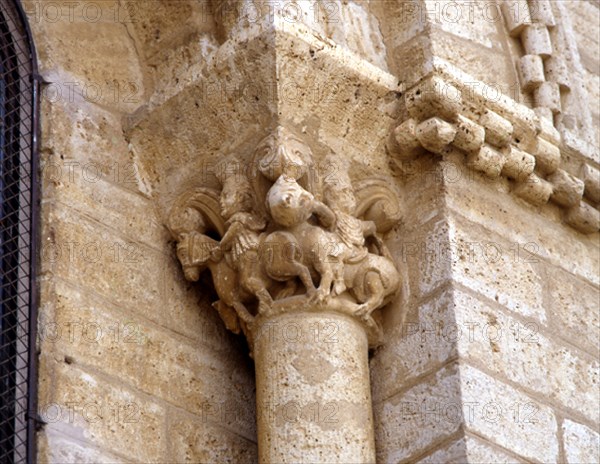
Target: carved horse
point(198, 251)
point(195, 213)
point(373, 281)
point(301, 249)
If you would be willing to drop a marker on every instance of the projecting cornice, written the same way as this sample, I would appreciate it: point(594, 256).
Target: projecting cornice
point(274, 74)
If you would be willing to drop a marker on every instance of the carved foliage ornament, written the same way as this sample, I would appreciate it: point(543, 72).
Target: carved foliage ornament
point(280, 238)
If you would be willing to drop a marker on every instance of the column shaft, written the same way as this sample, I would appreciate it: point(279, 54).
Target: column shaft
point(313, 390)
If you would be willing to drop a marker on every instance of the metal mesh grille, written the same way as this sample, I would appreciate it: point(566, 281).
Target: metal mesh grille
point(17, 194)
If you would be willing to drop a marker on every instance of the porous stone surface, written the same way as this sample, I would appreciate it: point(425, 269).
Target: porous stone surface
point(313, 403)
point(483, 116)
point(581, 443)
point(115, 330)
point(470, 449)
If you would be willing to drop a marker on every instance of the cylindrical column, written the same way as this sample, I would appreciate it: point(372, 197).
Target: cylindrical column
point(312, 388)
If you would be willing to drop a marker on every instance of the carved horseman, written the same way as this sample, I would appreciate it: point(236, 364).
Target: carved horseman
point(276, 233)
point(368, 276)
point(240, 244)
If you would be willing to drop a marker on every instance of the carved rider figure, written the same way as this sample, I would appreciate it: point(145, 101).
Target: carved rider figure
point(263, 236)
point(240, 244)
point(339, 196)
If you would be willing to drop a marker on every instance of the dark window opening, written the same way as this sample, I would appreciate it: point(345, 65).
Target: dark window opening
point(18, 209)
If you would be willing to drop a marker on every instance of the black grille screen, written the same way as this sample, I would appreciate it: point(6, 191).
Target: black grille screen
point(18, 196)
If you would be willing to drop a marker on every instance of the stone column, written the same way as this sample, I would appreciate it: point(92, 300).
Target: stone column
point(312, 388)
point(302, 278)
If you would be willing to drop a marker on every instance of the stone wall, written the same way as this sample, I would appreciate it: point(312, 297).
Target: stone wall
point(134, 364)
point(497, 359)
point(491, 348)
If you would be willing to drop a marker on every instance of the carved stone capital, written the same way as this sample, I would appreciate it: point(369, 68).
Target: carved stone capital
point(283, 233)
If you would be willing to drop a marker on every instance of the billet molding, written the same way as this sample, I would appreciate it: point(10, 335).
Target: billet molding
point(549, 70)
point(499, 138)
point(543, 70)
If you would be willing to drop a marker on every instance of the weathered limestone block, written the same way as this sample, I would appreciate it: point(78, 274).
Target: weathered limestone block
point(584, 218)
point(487, 209)
point(77, 69)
point(405, 142)
point(435, 134)
point(573, 309)
point(117, 206)
point(91, 260)
point(484, 263)
point(547, 156)
point(434, 97)
point(545, 126)
point(85, 407)
point(557, 71)
point(581, 443)
point(487, 160)
point(470, 136)
point(232, 14)
point(534, 189)
point(541, 12)
point(545, 114)
point(531, 72)
point(423, 260)
point(78, 136)
point(489, 408)
point(167, 24)
point(519, 165)
point(591, 178)
point(413, 420)
point(416, 348)
point(569, 123)
point(498, 131)
point(470, 449)
point(536, 40)
point(547, 95)
point(55, 447)
point(583, 146)
point(196, 439)
point(567, 189)
point(508, 348)
point(517, 16)
point(133, 359)
point(350, 25)
point(353, 26)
